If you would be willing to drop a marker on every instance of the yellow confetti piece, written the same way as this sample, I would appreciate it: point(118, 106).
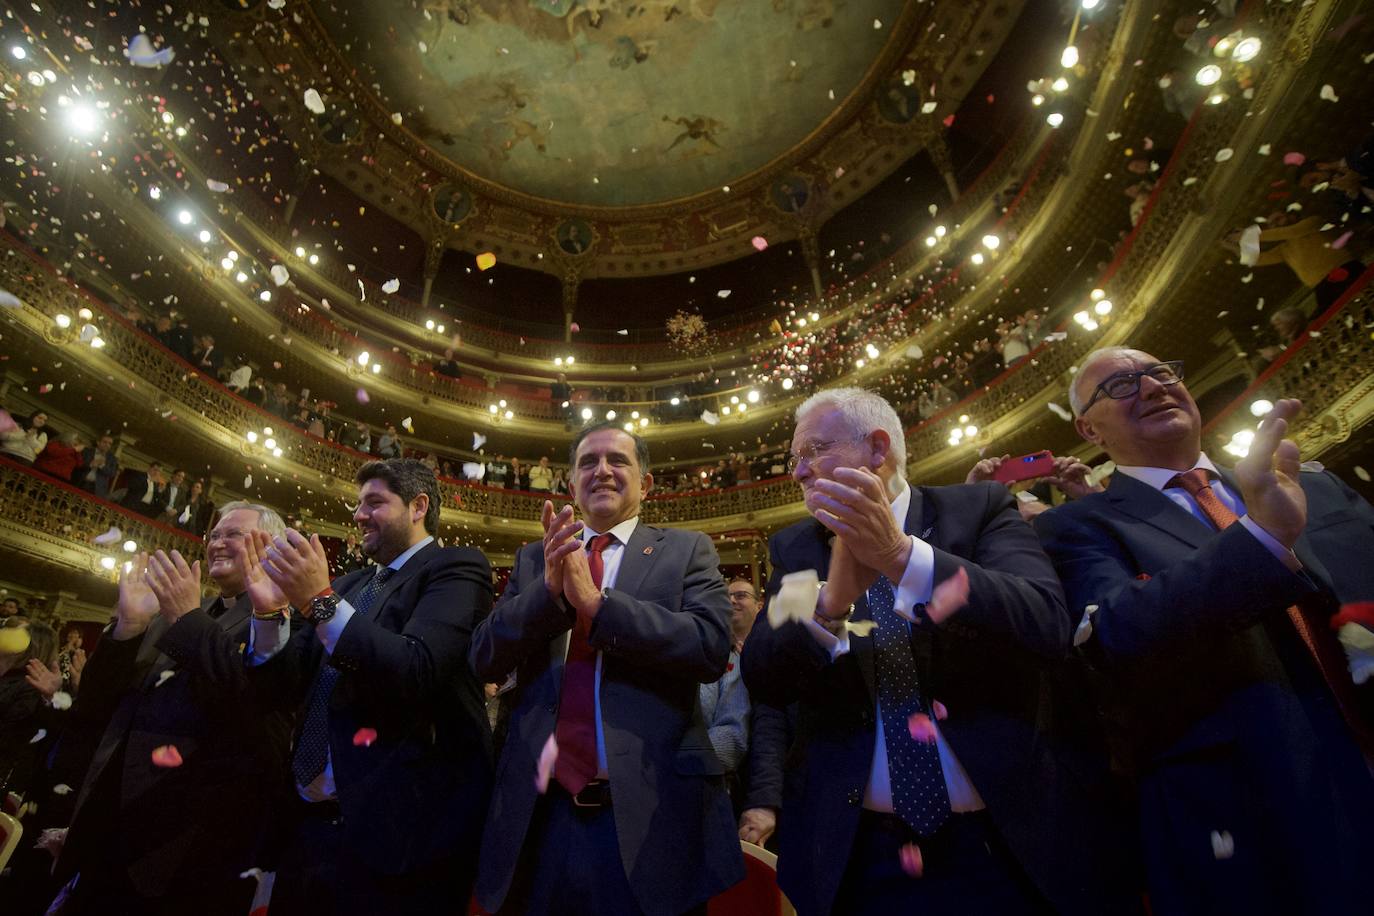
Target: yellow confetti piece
point(486, 260)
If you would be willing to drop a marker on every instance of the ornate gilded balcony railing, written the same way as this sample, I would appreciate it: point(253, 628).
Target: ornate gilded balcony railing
point(1330, 368)
point(58, 521)
point(1176, 197)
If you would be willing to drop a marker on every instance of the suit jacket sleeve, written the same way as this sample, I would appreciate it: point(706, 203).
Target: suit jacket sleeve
point(777, 663)
point(692, 642)
point(523, 621)
point(1229, 583)
point(200, 645)
point(767, 750)
point(110, 672)
point(1014, 593)
point(433, 645)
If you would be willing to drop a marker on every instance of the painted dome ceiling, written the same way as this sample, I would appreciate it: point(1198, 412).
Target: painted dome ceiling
point(612, 103)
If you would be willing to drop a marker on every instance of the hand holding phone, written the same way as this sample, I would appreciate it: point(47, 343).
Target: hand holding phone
point(1026, 467)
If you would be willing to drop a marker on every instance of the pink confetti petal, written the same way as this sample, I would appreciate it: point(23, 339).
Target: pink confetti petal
point(921, 727)
point(948, 597)
point(364, 737)
point(547, 757)
point(167, 756)
point(575, 327)
point(941, 713)
point(759, 243)
point(912, 862)
point(1338, 244)
point(1294, 158)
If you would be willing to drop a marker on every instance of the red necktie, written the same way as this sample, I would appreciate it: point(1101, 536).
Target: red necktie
point(576, 730)
point(1329, 658)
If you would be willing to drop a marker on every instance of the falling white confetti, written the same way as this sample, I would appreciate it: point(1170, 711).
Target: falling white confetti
point(314, 102)
point(1263, 150)
point(109, 537)
point(1060, 412)
point(1224, 154)
point(1250, 246)
point(1328, 94)
point(9, 300)
point(279, 274)
point(248, 481)
point(141, 53)
point(1361, 473)
point(723, 293)
point(478, 440)
point(709, 418)
point(218, 187)
point(405, 424)
point(391, 286)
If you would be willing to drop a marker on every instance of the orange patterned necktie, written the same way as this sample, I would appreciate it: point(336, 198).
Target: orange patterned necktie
point(1329, 658)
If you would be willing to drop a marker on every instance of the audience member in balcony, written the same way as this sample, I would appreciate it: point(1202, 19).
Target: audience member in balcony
point(635, 819)
point(24, 443)
point(206, 357)
point(196, 512)
point(389, 444)
point(1204, 593)
point(541, 476)
point(392, 768)
point(519, 474)
point(723, 475)
point(498, 472)
point(99, 467)
point(560, 482)
point(431, 461)
point(61, 456)
point(175, 498)
point(351, 556)
point(448, 366)
point(256, 392)
point(561, 396)
point(169, 679)
point(10, 607)
point(1307, 250)
point(146, 491)
point(1287, 324)
point(885, 775)
point(241, 378)
point(279, 401)
point(359, 438)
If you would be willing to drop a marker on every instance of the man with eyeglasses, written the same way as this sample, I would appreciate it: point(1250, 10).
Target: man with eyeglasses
point(922, 779)
point(178, 793)
point(1209, 597)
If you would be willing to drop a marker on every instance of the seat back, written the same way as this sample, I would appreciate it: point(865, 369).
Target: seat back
point(10, 831)
point(758, 894)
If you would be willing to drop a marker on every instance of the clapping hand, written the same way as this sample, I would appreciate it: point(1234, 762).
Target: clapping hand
point(267, 598)
point(176, 585)
point(299, 567)
point(137, 603)
point(855, 506)
point(559, 543)
point(40, 677)
point(1268, 477)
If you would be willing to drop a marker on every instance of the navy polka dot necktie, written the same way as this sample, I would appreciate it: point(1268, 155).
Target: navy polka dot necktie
point(312, 748)
point(919, 795)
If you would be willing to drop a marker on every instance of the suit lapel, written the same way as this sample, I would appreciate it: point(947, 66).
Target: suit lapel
point(1152, 507)
point(640, 554)
point(236, 613)
point(399, 578)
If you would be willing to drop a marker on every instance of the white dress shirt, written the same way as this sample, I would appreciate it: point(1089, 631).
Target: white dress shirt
point(611, 555)
point(1159, 478)
point(915, 588)
point(267, 637)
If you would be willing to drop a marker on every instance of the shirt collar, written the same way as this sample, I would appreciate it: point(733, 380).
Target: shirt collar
point(901, 504)
point(622, 531)
point(400, 561)
point(1159, 478)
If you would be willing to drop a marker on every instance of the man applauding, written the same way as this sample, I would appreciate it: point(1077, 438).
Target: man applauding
point(392, 762)
point(610, 625)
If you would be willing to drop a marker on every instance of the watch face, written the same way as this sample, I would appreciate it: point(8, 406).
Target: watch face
point(321, 609)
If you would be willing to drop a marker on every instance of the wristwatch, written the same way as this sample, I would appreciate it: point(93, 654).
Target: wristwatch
point(323, 606)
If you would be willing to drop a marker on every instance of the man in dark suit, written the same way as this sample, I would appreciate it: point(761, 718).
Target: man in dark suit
point(609, 635)
point(99, 467)
point(174, 497)
point(145, 492)
point(178, 794)
point(1209, 596)
point(894, 806)
point(392, 763)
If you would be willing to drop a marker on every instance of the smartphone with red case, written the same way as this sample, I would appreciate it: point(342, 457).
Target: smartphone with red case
point(1026, 467)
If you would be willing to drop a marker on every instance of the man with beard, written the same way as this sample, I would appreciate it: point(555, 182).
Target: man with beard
point(178, 792)
point(392, 762)
point(610, 625)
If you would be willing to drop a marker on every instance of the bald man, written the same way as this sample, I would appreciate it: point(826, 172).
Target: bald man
point(1210, 595)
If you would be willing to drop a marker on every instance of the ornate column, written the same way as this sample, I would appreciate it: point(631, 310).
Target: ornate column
point(300, 174)
point(434, 255)
point(939, 154)
point(812, 253)
point(572, 278)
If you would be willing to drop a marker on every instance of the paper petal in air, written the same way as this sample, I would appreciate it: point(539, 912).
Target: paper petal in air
point(478, 440)
point(279, 274)
point(391, 286)
point(796, 598)
point(486, 261)
point(922, 728)
point(709, 418)
point(547, 758)
point(142, 54)
point(912, 862)
point(759, 243)
point(61, 789)
point(38, 736)
point(109, 537)
point(941, 713)
point(165, 676)
point(364, 737)
point(218, 187)
point(949, 596)
point(1250, 246)
point(407, 425)
point(1084, 631)
point(167, 755)
point(1223, 844)
point(1294, 158)
point(61, 700)
point(861, 627)
point(314, 102)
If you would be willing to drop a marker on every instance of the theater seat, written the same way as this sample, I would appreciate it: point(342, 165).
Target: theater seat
point(13, 803)
point(10, 831)
point(758, 894)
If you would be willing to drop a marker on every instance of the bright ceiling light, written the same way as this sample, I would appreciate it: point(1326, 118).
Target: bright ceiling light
point(83, 119)
point(815, 316)
point(314, 259)
point(871, 350)
point(643, 422)
point(1091, 4)
point(265, 295)
point(1097, 294)
point(376, 368)
point(85, 313)
point(300, 252)
point(241, 277)
point(1247, 49)
point(1082, 317)
point(586, 413)
point(130, 546)
point(154, 192)
point(1104, 307)
point(1069, 58)
point(64, 321)
point(675, 401)
point(204, 235)
point(429, 326)
point(276, 453)
point(1060, 85)
point(1090, 325)
point(184, 217)
point(977, 259)
point(97, 342)
point(940, 232)
point(787, 384)
point(269, 443)
point(251, 436)
point(610, 415)
point(19, 52)
point(364, 358)
point(753, 397)
point(1037, 100)
point(227, 264)
point(930, 241)
point(510, 414)
point(1261, 407)
point(970, 430)
point(1054, 119)
point(107, 562)
point(1209, 75)
point(734, 399)
point(991, 242)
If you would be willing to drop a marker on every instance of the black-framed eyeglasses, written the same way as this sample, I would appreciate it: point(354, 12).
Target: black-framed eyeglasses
point(816, 450)
point(1125, 384)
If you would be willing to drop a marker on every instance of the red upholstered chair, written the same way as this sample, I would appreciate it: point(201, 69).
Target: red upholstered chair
point(758, 894)
point(10, 832)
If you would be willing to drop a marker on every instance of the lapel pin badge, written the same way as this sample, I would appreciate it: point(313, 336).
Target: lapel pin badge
point(648, 550)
